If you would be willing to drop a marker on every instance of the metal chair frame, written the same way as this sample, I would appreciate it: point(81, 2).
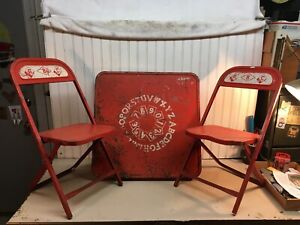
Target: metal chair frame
point(260, 78)
point(30, 71)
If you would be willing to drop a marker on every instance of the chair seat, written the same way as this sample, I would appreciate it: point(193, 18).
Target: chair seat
point(222, 135)
point(76, 134)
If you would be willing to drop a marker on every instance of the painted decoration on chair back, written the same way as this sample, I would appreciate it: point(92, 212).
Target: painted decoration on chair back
point(249, 78)
point(41, 71)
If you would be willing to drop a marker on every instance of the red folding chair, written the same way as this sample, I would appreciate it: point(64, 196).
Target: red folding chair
point(28, 71)
point(260, 78)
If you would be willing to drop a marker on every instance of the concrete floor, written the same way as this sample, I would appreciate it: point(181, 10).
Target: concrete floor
point(152, 201)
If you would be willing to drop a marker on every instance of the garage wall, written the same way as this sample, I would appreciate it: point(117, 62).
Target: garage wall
point(207, 57)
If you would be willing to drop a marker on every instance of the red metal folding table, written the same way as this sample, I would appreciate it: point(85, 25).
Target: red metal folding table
point(151, 112)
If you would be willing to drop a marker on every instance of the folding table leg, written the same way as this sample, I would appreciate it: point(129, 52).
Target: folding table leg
point(187, 157)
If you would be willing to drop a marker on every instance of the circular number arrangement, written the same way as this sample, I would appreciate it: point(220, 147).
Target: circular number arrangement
point(148, 122)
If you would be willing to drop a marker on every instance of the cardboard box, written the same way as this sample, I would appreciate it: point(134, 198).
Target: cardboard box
point(290, 63)
point(288, 204)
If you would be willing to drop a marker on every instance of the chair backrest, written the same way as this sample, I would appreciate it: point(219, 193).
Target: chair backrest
point(39, 71)
point(250, 77)
point(26, 71)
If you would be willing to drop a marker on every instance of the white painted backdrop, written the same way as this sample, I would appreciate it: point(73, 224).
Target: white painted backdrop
point(207, 58)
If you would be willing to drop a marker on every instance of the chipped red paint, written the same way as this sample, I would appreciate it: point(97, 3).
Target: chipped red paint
point(151, 112)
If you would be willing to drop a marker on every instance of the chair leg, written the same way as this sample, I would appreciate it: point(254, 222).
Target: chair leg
point(217, 160)
point(119, 180)
point(228, 168)
point(187, 157)
point(67, 171)
point(243, 187)
point(246, 177)
point(43, 168)
point(59, 191)
point(256, 173)
point(251, 169)
point(55, 182)
point(83, 156)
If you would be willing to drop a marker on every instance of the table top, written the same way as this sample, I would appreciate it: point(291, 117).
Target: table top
point(150, 112)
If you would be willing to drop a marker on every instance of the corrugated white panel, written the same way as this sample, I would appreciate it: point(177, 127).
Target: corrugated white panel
point(207, 58)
